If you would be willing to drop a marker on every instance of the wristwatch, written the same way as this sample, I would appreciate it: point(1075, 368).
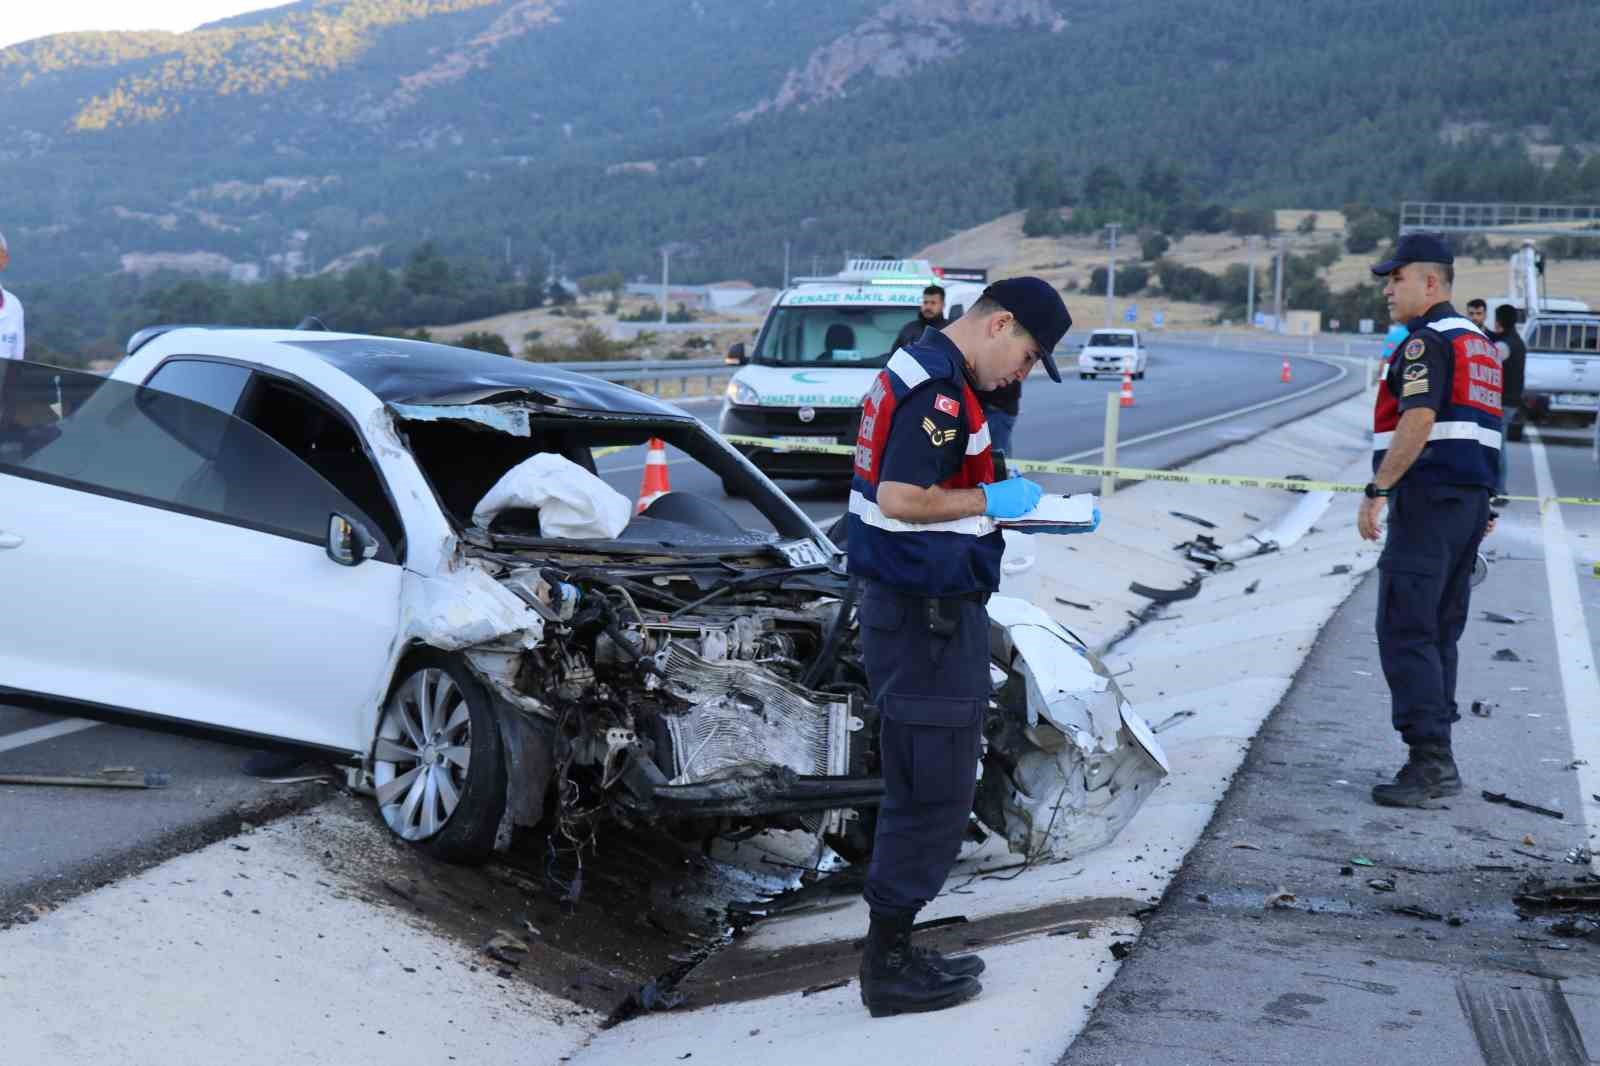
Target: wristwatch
point(1373, 492)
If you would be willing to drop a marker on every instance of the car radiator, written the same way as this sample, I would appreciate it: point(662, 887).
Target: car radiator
point(742, 714)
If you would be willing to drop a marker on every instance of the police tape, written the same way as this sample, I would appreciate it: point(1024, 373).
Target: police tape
point(1134, 473)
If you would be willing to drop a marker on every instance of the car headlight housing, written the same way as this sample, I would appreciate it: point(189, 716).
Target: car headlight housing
point(742, 395)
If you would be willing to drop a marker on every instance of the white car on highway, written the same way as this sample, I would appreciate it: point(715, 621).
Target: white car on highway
point(1111, 351)
point(399, 554)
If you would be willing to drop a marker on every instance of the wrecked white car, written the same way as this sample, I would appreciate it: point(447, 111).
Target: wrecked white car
point(402, 555)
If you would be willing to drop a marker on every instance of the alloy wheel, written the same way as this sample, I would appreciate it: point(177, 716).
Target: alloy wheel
point(423, 753)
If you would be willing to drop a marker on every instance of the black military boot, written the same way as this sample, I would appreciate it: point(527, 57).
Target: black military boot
point(896, 980)
point(1430, 773)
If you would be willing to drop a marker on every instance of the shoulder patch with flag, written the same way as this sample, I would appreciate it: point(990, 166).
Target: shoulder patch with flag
point(947, 404)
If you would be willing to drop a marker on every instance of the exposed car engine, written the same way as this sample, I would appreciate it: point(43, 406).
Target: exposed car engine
point(660, 690)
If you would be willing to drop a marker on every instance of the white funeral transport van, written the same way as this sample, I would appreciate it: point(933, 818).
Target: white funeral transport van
point(818, 352)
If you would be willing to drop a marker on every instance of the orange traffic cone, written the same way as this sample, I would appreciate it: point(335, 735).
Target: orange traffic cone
point(1127, 387)
point(1284, 375)
point(656, 484)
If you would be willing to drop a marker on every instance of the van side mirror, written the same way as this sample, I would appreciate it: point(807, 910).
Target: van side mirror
point(736, 356)
point(349, 542)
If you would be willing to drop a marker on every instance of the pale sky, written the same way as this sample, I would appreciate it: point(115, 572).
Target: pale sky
point(23, 20)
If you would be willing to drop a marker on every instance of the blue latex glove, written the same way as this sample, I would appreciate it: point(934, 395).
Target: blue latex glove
point(1011, 498)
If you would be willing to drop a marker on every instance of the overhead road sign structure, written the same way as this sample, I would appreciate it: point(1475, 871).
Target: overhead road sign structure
point(1525, 220)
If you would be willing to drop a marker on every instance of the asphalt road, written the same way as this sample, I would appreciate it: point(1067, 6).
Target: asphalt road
point(1186, 386)
point(55, 841)
point(1436, 964)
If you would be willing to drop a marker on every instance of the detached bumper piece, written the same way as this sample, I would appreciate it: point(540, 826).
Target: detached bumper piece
point(767, 790)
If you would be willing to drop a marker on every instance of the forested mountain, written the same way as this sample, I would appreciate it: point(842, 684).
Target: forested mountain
point(593, 132)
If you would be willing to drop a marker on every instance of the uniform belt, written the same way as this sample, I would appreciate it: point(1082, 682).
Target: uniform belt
point(979, 596)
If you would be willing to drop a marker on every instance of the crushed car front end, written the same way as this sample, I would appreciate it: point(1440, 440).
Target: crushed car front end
point(675, 667)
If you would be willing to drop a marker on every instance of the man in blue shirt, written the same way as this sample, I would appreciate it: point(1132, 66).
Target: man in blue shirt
point(924, 547)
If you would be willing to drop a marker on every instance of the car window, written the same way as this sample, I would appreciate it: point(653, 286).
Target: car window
point(214, 384)
point(150, 447)
point(1111, 340)
point(325, 441)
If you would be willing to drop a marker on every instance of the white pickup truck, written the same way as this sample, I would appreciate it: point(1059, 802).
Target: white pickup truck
point(1563, 369)
point(1562, 378)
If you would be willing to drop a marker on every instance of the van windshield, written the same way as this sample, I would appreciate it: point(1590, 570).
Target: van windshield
point(827, 335)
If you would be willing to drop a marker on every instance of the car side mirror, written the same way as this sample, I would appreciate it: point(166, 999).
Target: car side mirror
point(736, 356)
point(349, 543)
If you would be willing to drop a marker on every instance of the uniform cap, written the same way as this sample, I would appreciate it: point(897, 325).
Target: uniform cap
point(1038, 306)
point(1416, 248)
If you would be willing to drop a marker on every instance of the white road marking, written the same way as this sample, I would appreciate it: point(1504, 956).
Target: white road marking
point(1580, 688)
point(65, 727)
point(1343, 372)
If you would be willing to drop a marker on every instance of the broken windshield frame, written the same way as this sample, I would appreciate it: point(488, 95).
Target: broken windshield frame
point(462, 450)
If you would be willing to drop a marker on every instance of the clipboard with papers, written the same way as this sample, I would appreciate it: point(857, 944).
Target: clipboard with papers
point(1079, 513)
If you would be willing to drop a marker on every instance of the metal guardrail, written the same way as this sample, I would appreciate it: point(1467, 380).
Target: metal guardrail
point(627, 371)
point(1351, 344)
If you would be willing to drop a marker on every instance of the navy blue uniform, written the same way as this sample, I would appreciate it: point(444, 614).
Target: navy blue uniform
point(924, 629)
point(1437, 514)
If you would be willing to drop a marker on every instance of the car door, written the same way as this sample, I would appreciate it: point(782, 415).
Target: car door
point(163, 557)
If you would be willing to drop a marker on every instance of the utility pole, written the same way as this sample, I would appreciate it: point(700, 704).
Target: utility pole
point(1250, 286)
point(786, 264)
point(1277, 295)
point(1111, 269)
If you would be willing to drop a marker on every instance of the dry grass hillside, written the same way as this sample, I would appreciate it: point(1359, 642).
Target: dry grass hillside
point(1000, 246)
point(1065, 262)
point(560, 327)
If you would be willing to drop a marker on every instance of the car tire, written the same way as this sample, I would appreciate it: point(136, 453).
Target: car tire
point(1139, 376)
point(1513, 431)
point(1084, 377)
point(437, 715)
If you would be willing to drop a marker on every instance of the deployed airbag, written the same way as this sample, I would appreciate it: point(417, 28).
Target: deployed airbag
point(573, 504)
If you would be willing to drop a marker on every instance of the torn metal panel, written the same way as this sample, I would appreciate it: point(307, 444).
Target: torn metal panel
point(467, 607)
point(504, 418)
point(1085, 762)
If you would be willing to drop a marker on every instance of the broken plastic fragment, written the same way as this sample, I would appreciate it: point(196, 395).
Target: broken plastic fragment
point(1281, 898)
